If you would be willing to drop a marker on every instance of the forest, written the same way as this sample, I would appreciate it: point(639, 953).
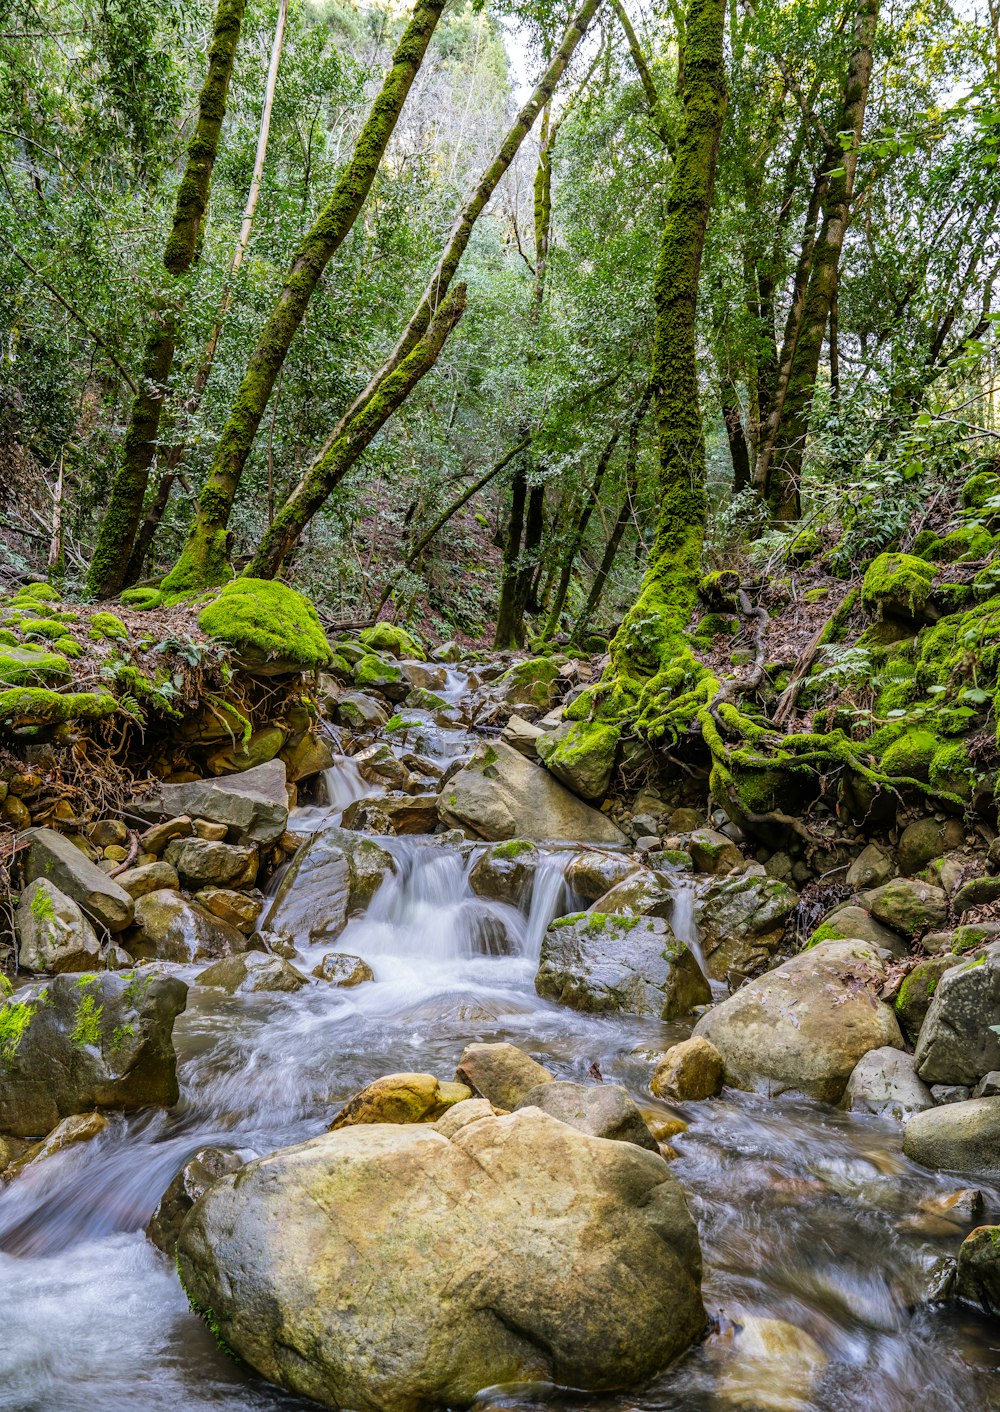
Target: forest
point(500, 704)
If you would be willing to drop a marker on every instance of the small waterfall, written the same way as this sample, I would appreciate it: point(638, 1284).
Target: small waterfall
point(342, 784)
point(551, 897)
point(682, 918)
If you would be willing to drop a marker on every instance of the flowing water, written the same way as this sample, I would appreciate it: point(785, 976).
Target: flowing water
point(805, 1214)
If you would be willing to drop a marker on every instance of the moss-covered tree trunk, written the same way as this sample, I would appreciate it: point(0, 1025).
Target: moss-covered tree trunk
point(509, 631)
point(204, 560)
point(121, 519)
point(840, 166)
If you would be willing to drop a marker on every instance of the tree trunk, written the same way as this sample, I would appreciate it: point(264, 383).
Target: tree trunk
point(204, 560)
point(121, 519)
point(738, 449)
point(508, 620)
point(576, 537)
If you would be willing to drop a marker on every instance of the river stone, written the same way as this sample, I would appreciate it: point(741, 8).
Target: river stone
point(522, 736)
point(379, 764)
point(148, 877)
point(189, 1185)
point(254, 803)
point(741, 924)
point(169, 928)
point(908, 905)
point(977, 892)
point(714, 852)
point(393, 813)
point(802, 1027)
point(307, 756)
point(643, 893)
point(884, 1082)
point(871, 868)
point(501, 1073)
point(858, 924)
point(587, 762)
point(237, 757)
point(625, 965)
point(201, 863)
point(251, 972)
point(956, 1044)
point(157, 836)
point(390, 1269)
point(401, 1098)
point(53, 934)
point(361, 713)
point(602, 1110)
point(236, 908)
point(958, 1137)
point(343, 970)
point(84, 1042)
point(917, 991)
point(773, 1368)
point(592, 873)
point(927, 839)
point(506, 871)
point(53, 857)
point(977, 1277)
point(689, 1071)
point(78, 1128)
point(335, 874)
point(502, 795)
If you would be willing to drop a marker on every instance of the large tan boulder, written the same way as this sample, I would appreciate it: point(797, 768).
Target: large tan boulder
point(401, 1098)
point(392, 1267)
point(803, 1027)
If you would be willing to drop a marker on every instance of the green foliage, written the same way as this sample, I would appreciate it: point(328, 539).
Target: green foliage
point(106, 627)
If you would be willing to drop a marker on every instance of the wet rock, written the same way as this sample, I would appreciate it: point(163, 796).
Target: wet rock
point(956, 1044)
point(884, 1082)
point(201, 863)
point(379, 764)
point(959, 1137)
point(950, 1093)
point(858, 924)
point(803, 1027)
point(401, 1098)
point(251, 972)
point(157, 836)
point(53, 934)
point(689, 1071)
point(236, 908)
point(714, 853)
point(344, 970)
point(190, 1184)
point(404, 814)
point(337, 873)
point(917, 991)
point(253, 804)
point(600, 1288)
point(502, 795)
point(505, 872)
point(425, 676)
point(361, 713)
point(602, 1110)
point(523, 737)
point(741, 924)
point(592, 874)
point(908, 906)
point(307, 756)
point(977, 1277)
point(235, 758)
point(148, 877)
point(80, 1127)
point(927, 839)
point(84, 1042)
point(626, 965)
point(501, 1073)
point(871, 868)
point(53, 857)
point(641, 893)
point(977, 892)
point(773, 1368)
point(169, 928)
point(961, 1206)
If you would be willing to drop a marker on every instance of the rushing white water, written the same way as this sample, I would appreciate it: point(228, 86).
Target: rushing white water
point(683, 922)
point(342, 784)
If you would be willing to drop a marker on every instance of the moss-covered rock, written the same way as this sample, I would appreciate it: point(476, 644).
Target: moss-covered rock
point(106, 627)
point(531, 683)
point(31, 666)
point(269, 627)
point(898, 586)
point(911, 754)
point(48, 628)
point(581, 755)
point(979, 489)
point(38, 593)
point(68, 647)
point(374, 673)
point(37, 705)
point(389, 637)
point(143, 598)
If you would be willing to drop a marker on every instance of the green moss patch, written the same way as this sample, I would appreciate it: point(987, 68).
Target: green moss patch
point(104, 627)
point(388, 637)
point(37, 705)
point(143, 598)
point(28, 665)
point(897, 585)
point(373, 672)
point(268, 625)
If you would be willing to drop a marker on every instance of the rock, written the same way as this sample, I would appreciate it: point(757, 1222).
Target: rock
point(53, 934)
point(689, 1071)
point(599, 1287)
point(148, 877)
point(965, 1205)
point(343, 970)
point(470, 1110)
point(84, 1042)
point(741, 924)
point(337, 873)
point(917, 990)
point(502, 795)
point(116, 958)
point(523, 737)
point(857, 924)
point(884, 1082)
point(956, 1044)
point(413, 813)
point(871, 868)
point(977, 1276)
point(201, 863)
point(379, 764)
point(581, 754)
point(714, 853)
point(977, 892)
point(927, 839)
point(641, 893)
point(501, 1073)
point(236, 908)
point(157, 836)
point(189, 1185)
point(950, 1093)
point(505, 872)
point(212, 833)
point(169, 928)
point(401, 1098)
point(947, 872)
point(960, 1137)
point(908, 906)
point(251, 972)
point(988, 1086)
point(236, 758)
point(80, 1127)
point(971, 935)
point(773, 1368)
point(361, 713)
point(647, 843)
point(253, 804)
point(803, 1027)
point(602, 1110)
point(107, 831)
point(592, 874)
point(307, 756)
point(53, 857)
point(627, 965)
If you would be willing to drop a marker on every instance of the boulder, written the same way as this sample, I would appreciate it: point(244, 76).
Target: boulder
point(803, 1027)
point(307, 756)
point(926, 839)
point(337, 872)
point(714, 852)
point(401, 1098)
point(189, 1185)
point(871, 868)
point(582, 755)
point(157, 836)
point(361, 713)
point(522, 736)
point(343, 970)
point(236, 908)
point(202, 863)
point(741, 924)
point(689, 1071)
point(884, 1082)
point(627, 965)
point(251, 972)
point(977, 1276)
point(501, 1073)
point(916, 992)
point(642, 893)
point(958, 1137)
point(394, 813)
point(85, 1042)
point(592, 874)
point(148, 877)
point(505, 872)
point(908, 906)
point(517, 1251)
point(977, 892)
point(236, 758)
point(79, 1127)
point(858, 924)
point(774, 1367)
point(53, 935)
point(602, 1110)
point(169, 928)
point(51, 856)
point(252, 804)
point(956, 1044)
point(501, 795)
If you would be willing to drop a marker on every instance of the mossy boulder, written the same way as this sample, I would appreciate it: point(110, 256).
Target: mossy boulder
point(389, 637)
point(37, 593)
point(38, 705)
point(104, 627)
point(910, 755)
point(582, 755)
point(271, 629)
point(979, 489)
point(898, 586)
point(49, 629)
point(53, 935)
point(917, 990)
point(857, 924)
point(908, 906)
point(31, 666)
point(375, 674)
point(742, 924)
point(143, 599)
point(531, 683)
point(52, 856)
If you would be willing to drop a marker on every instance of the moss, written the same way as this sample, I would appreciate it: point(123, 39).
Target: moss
point(36, 705)
point(924, 544)
point(720, 588)
point(41, 906)
point(979, 489)
point(423, 700)
point(48, 628)
point(5, 986)
point(897, 585)
point(87, 1029)
point(340, 667)
point(532, 681)
point(803, 546)
point(121, 1034)
point(142, 598)
point(399, 722)
point(965, 543)
point(910, 756)
point(15, 1017)
point(951, 770)
point(375, 672)
point(389, 637)
point(715, 625)
point(106, 627)
point(514, 848)
point(265, 623)
point(816, 595)
point(39, 593)
point(69, 647)
point(8, 639)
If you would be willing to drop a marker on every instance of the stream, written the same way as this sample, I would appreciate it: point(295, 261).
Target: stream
point(806, 1214)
